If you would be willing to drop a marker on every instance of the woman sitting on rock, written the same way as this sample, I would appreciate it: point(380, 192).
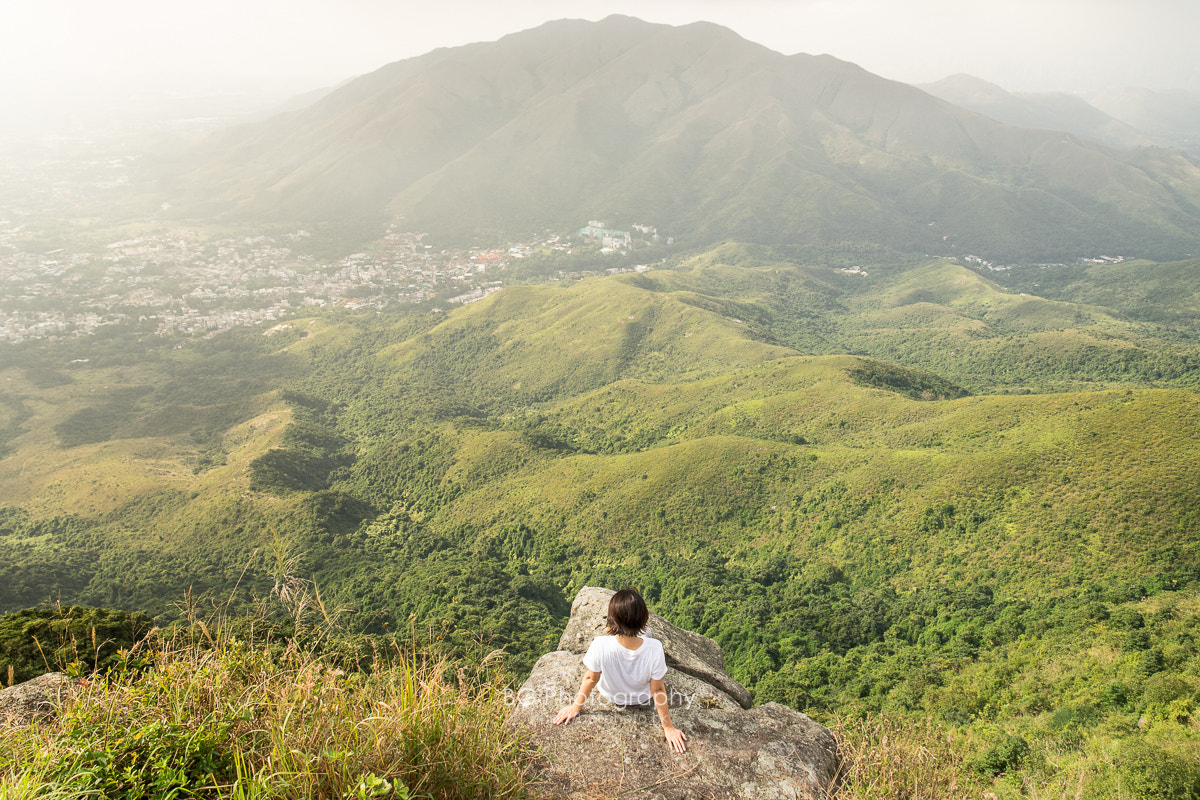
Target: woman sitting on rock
point(628, 665)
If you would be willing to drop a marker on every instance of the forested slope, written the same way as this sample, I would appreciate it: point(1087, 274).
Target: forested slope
point(859, 484)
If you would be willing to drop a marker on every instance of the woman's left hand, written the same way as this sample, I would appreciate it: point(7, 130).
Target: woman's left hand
point(566, 714)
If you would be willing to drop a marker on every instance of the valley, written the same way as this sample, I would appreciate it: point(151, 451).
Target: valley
point(900, 408)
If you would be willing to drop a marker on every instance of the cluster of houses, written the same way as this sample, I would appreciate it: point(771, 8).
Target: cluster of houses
point(612, 240)
point(609, 239)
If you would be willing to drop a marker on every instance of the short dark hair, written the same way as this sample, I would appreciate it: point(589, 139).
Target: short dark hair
point(627, 613)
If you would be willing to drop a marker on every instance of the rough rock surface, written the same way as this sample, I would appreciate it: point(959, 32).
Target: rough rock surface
point(34, 699)
point(734, 751)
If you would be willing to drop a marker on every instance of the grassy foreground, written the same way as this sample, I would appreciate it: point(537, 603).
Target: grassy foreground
point(219, 718)
point(208, 715)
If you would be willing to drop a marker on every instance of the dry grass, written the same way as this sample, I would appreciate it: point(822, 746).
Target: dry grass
point(233, 721)
point(885, 758)
point(205, 712)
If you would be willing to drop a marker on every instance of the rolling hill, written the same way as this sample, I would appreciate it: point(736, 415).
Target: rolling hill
point(698, 132)
point(932, 535)
point(132, 477)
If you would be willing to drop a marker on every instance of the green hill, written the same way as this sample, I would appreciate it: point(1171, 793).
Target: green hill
point(902, 489)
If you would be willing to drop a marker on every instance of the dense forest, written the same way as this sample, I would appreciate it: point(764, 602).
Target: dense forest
point(889, 486)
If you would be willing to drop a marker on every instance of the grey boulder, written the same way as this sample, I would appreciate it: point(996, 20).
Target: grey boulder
point(733, 750)
point(36, 699)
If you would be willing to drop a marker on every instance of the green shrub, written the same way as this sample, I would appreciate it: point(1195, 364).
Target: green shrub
point(1077, 716)
point(1154, 773)
point(147, 759)
point(1006, 755)
point(1163, 689)
point(1126, 618)
point(1115, 695)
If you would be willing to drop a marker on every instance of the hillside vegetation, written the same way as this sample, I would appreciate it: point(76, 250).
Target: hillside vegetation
point(904, 490)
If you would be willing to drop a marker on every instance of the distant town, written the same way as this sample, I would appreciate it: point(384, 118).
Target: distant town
point(193, 284)
point(976, 261)
point(179, 283)
point(183, 284)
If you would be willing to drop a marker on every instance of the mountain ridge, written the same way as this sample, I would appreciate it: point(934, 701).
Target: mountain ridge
point(1173, 117)
point(694, 130)
point(1049, 110)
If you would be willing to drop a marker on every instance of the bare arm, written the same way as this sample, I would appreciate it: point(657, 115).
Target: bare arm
point(675, 737)
point(568, 713)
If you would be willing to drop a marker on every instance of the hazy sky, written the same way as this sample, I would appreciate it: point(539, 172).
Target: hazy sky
point(51, 46)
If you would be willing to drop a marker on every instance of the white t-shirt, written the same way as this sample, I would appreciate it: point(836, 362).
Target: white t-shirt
point(625, 674)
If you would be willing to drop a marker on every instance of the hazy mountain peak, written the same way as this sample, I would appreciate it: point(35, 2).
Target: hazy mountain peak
point(962, 86)
point(1049, 110)
point(699, 132)
point(1170, 117)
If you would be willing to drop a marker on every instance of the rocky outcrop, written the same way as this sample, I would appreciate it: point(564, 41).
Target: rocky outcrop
point(734, 750)
point(687, 652)
point(34, 699)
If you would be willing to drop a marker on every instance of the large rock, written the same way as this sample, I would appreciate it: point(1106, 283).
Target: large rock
point(734, 751)
point(34, 699)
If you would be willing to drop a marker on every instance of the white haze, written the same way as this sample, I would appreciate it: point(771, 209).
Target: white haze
point(69, 57)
